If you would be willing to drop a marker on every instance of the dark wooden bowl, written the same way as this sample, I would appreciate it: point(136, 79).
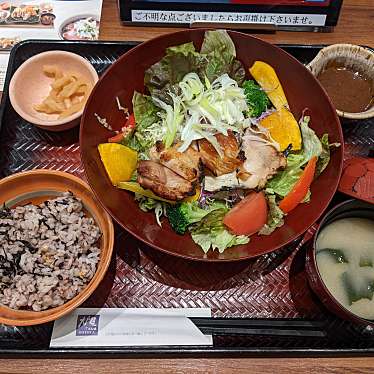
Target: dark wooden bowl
point(127, 74)
point(349, 208)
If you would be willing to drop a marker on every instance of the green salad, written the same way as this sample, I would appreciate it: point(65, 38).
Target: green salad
point(213, 149)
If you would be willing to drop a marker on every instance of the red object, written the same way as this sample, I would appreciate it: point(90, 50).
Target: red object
point(116, 138)
point(300, 189)
point(248, 216)
point(130, 121)
point(358, 178)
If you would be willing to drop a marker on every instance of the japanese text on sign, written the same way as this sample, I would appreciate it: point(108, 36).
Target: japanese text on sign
point(160, 16)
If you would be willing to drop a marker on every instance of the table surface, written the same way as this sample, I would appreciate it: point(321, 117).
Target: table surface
point(356, 26)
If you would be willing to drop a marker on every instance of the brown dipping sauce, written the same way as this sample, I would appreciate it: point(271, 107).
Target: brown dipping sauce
point(348, 90)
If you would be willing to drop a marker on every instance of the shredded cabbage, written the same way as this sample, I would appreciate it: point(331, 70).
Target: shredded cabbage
point(192, 88)
point(203, 110)
point(172, 118)
point(147, 203)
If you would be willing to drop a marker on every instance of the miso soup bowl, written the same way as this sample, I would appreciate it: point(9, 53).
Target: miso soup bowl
point(347, 209)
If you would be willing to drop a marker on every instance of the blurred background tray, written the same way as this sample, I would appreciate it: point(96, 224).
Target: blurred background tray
point(271, 287)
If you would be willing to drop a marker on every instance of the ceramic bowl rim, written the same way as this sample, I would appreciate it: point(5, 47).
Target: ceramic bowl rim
point(34, 59)
point(367, 53)
point(77, 300)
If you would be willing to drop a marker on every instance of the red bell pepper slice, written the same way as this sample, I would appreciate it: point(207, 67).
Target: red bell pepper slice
point(130, 121)
point(129, 124)
point(300, 189)
point(116, 138)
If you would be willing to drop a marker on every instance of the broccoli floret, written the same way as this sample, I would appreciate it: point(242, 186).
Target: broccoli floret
point(184, 214)
point(257, 99)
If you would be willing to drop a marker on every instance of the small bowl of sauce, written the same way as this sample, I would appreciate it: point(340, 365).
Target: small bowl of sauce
point(346, 72)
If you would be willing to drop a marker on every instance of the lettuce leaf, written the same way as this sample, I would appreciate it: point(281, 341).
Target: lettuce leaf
point(185, 49)
point(163, 76)
point(148, 129)
point(217, 56)
point(324, 157)
point(219, 40)
point(311, 144)
point(145, 111)
point(147, 203)
point(275, 217)
point(210, 232)
point(237, 72)
point(221, 56)
point(284, 181)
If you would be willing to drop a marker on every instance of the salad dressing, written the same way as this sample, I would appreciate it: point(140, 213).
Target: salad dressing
point(349, 90)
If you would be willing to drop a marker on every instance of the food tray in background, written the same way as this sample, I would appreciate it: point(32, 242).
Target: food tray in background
point(271, 288)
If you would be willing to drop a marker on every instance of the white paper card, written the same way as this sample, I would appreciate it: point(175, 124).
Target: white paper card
point(90, 327)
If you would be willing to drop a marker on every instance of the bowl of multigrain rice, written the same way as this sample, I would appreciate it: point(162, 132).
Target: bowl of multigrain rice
point(56, 243)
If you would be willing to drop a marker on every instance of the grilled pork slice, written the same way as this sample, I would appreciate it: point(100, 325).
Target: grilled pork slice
point(163, 182)
point(212, 160)
point(188, 164)
point(263, 160)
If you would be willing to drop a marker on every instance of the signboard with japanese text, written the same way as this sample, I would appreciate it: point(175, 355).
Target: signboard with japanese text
point(279, 13)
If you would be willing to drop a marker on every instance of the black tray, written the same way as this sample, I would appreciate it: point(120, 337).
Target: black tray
point(24, 147)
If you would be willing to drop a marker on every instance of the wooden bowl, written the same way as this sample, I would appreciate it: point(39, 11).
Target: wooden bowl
point(29, 86)
point(349, 208)
point(127, 74)
point(39, 185)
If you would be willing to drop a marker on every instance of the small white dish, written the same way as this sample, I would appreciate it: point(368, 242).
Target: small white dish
point(29, 86)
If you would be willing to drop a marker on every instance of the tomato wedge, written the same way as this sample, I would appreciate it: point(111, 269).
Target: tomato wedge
point(127, 128)
point(248, 216)
point(300, 189)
